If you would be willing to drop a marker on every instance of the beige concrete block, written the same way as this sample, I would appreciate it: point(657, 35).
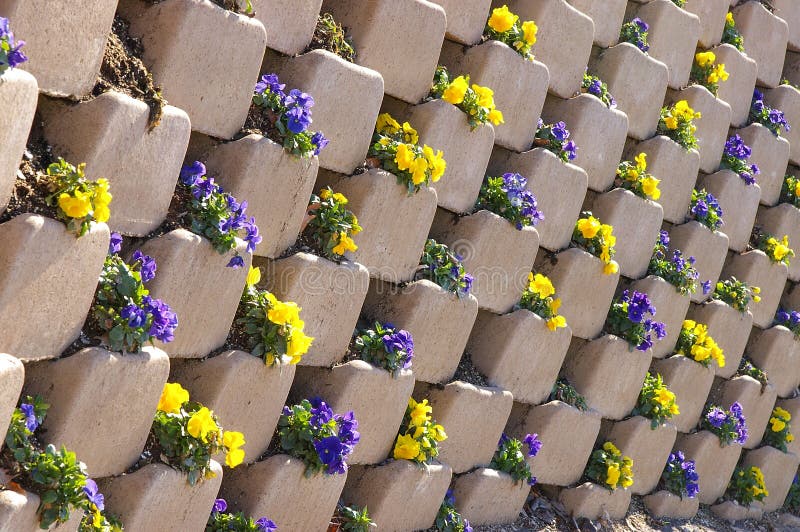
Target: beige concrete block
point(791, 67)
point(465, 20)
point(380, 31)
point(218, 383)
point(112, 136)
point(676, 168)
point(158, 497)
point(376, 397)
point(392, 490)
point(445, 127)
point(519, 86)
point(771, 155)
point(712, 19)
point(790, 12)
point(756, 269)
point(456, 406)
point(733, 511)
point(757, 404)
point(609, 373)
point(738, 90)
point(64, 41)
point(497, 255)
point(346, 121)
point(791, 297)
point(766, 37)
point(48, 273)
point(592, 501)
point(671, 308)
point(664, 504)
point(553, 182)
point(289, 23)
point(779, 470)
point(739, 203)
point(438, 320)
point(567, 436)
point(714, 464)
point(598, 131)
point(215, 97)
point(12, 375)
point(607, 18)
point(90, 408)
point(489, 497)
point(395, 223)
point(517, 352)
point(18, 95)
point(712, 128)
point(793, 406)
point(728, 327)
point(709, 248)
point(638, 83)
point(18, 511)
point(636, 222)
point(275, 184)
point(776, 351)
point(563, 43)
point(648, 448)
point(194, 281)
point(330, 295)
point(691, 382)
point(279, 489)
point(787, 99)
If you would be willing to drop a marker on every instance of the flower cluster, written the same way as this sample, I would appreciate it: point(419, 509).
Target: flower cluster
point(674, 269)
point(736, 293)
point(352, 519)
point(790, 192)
point(221, 520)
point(596, 238)
point(290, 115)
point(510, 457)
point(793, 498)
point(10, 53)
point(729, 426)
point(706, 73)
point(789, 319)
point(677, 123)
point(55, 475)
point(273, 328)
point(735, 157)
point(731, 35)
point(217, 215)
point(123, 308)
point(748, 369)
point(761, 113)
point(633, 176)
point(635, 32)
point(508, 196)
point(444, 267)
point(680, 476)
point(505, 26)
point(694, 342)
point(188, 435)
point(553, 137)
point(477, 102)
point(679, 3)
point(656, 402)
point(79, 200)
point(778, 433)
point(323, 440)
point(332, 226)
point(419, 435)
point(597, 88)
point(397, 150)
point(705, 208)
point(538, 298)
point(609, 468)
point(627, 319)
point(566, 393)
point(747, 486)
point(386, 346)
point(778, 251)
point(448, 519)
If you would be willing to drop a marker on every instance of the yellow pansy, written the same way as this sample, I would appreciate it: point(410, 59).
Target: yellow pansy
point(438, 433)
point(201, 424)
point(555, 304)
point(612, 475)
point(641, 162)
point(611, 268)
point(542, 286)
point(789, 438)
point(682, 108)
point(345, 244)
point(556, 322)
point(704, 59)
point(436, 162)
point(589, 227)
point(664, 397)
point(650, 187)
point(405, 156)
point(777, 424)
point(101, 213)
point(75, 207)
point(782, 413)
point(406, 448)
point(298, 345)
point(418, 169)
point(485, 96)
point(611, 448)
point(282, 313)
point(253, 276)
point(502, 19)
point(173, 395)
point(721, 73)
point(420, 413)
point(671, 122)
point(455, 92)
point(326, 193)
point(232, 441)
point(340, 198)
point(674, 410)
point(387, 124)
point(496, 117)
point(797, 189)
point(529, 30)
point(410, 134)
point(729, 18)
point(689, 324)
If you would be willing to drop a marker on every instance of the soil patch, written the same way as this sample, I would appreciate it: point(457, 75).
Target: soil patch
point(467, 372)
point(331, 36)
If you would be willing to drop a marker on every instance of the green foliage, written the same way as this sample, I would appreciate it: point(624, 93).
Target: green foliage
point(792, 502)
point(369, 343)
point(230, 522)
point(444, 267)
point(510, 457)
point(747, 368)
point(333, 225)
point(790, 193)
point(353, 519)
point(598, 88)
point(609, 468)
point(731, 35)
point(566, 393)
point(79, 201)
point(674, 269)
point(656, 402)
point(330, 35)
point(736, 293)
point(448, 519)
point(747, 486)
point(677, 123)
point(474, 101)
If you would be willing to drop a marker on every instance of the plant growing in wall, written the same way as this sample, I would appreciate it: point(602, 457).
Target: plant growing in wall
point(673, 268)
point(735, 158)
point(656, 402)
point(596, 87)
point(419, 435)
point(635, 33)
point(778, 433)
point(444, 267)
point(448, 519)
point(538, 298)
point(677, 123)
point(706, 73)
point(508, 196)
point(10, 54)
point(475, 101)
point(555, 138)
point(79, 201)
point(628, 319)
point(596, 238)
point(510, 457)
point(505, 26)
point(695, 343)
point(705, 208)
point(680, 476)
point(778, 251)
point(609, 468)
point(221, 520)
point(385, 346)
point(332, 226)
point(736, 293)
point(730, 425)
point(747, 486)
point(633, 176)
point(731, 35)
point(769, 117)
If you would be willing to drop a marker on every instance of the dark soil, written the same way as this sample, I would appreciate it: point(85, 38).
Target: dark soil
point(467, 372)
point(331, 36)
point(261, 121)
